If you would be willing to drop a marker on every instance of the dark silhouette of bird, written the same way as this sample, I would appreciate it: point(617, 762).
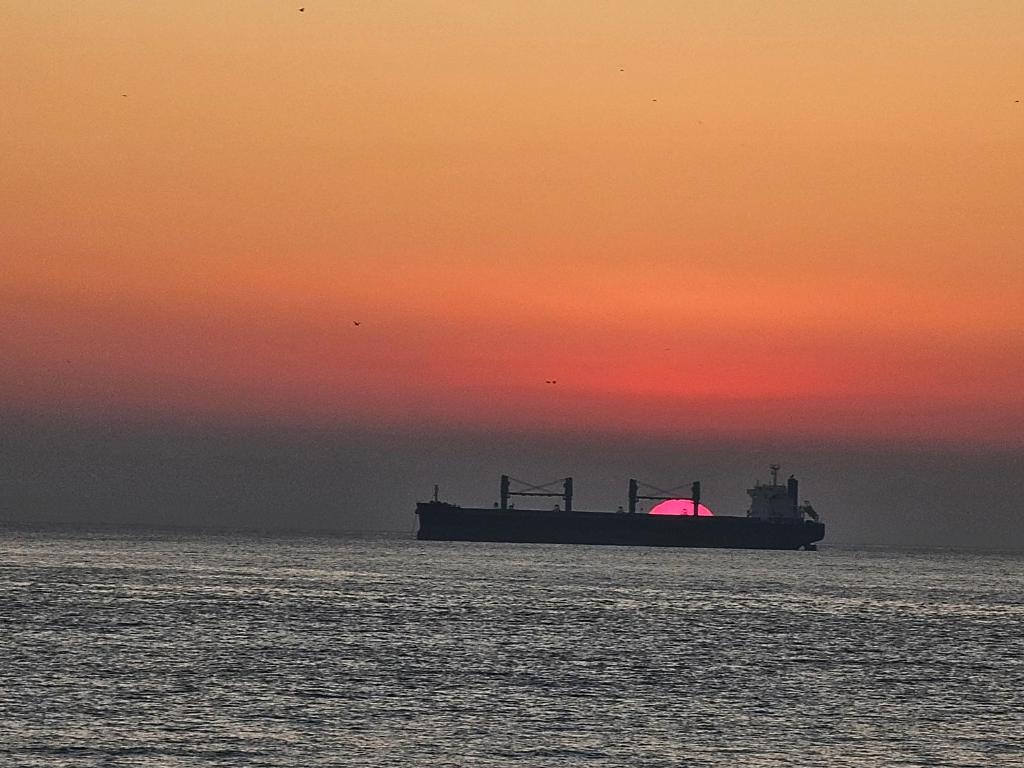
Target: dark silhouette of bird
point(357, 322)
point(653, 99)
point(550, 381)
point(124, 95)
point(302, 10)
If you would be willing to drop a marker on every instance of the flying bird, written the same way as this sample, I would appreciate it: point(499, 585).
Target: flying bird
point(302, 10)
point(356, 322)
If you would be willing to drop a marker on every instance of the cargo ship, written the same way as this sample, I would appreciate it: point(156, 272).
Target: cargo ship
point(775, 519)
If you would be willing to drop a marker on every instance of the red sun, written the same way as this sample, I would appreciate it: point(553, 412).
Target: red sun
point(680, 507)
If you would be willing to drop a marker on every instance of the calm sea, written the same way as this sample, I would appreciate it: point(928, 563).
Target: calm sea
point(171, 649)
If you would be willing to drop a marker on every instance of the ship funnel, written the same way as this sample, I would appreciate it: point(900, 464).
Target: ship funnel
point(791, 486)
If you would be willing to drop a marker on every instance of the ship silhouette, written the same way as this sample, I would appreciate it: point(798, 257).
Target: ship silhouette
point(775, 519)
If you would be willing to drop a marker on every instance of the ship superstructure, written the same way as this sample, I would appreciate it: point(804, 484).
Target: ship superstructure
point(772, 501)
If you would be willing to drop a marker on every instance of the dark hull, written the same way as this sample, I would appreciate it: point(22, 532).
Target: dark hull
point(446, 522)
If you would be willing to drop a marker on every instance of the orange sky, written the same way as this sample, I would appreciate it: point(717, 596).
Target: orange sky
point(733, 218)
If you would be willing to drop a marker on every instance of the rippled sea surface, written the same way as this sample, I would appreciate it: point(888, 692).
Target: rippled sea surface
point(171, 649)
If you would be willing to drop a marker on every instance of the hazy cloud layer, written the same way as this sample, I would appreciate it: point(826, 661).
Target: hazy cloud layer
point(275, 478)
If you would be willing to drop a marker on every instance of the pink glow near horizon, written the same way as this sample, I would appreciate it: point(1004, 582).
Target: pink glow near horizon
point(680, 507)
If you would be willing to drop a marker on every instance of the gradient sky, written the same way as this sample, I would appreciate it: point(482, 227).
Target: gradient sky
point(795, 220)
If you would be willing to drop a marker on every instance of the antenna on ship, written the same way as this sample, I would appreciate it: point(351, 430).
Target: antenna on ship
point(435, 491)
point(775, 473)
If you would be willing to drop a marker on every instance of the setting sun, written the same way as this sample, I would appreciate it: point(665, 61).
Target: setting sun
point(680, 507)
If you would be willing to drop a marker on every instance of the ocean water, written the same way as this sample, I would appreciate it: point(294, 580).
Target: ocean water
point(180, 649)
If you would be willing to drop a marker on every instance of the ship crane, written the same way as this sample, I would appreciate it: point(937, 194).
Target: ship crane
point(537, 490)
point(635, 495)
